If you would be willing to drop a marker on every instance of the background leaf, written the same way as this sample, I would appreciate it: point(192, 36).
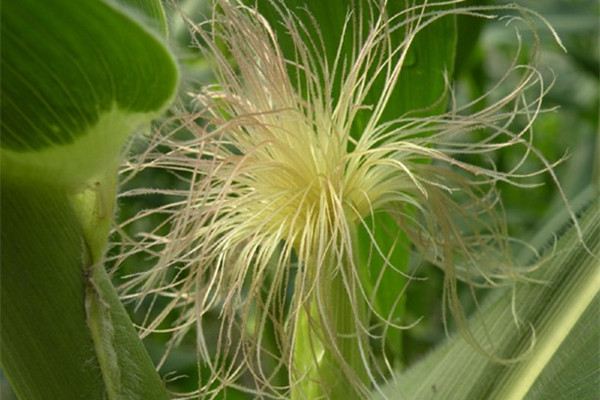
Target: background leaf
point(549, 309)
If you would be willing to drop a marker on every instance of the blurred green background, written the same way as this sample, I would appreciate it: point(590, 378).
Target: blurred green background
point(483, 53)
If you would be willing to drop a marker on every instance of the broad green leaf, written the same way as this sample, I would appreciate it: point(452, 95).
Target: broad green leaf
point(77, 79)
point(554, 326)
point(151, 12)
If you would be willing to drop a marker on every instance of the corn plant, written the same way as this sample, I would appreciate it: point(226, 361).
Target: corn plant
point(325, 160)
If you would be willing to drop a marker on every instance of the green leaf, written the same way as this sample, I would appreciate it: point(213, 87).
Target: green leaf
point(468, 32)
point(386, 283)
point(77, 79)
point(421, 84)
point(554, 327)
point(151, 12)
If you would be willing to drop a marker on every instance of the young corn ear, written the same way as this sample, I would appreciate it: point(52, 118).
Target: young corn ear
point(263, 236)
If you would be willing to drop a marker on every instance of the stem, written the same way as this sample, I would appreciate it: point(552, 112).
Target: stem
point(46, 349)
point(64, 333)
point(126, 367)
point(327, 360)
